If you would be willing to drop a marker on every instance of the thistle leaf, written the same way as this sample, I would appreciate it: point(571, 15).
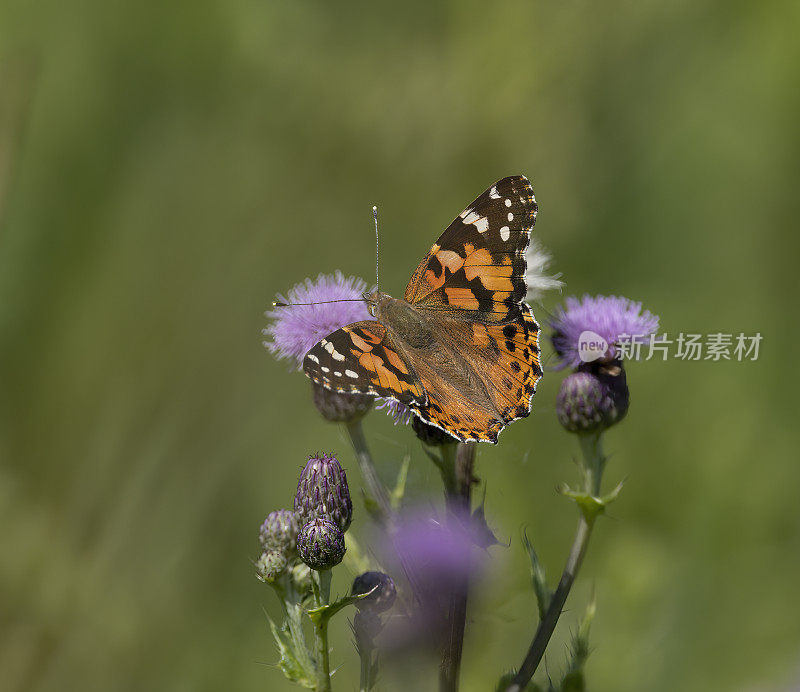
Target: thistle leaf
point(326, 612)
point(538, 578)
point(290, 663)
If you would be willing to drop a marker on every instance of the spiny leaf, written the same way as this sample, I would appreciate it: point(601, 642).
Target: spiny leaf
point(574, 679)
point(290, 662)
point(538, 578)
point(326, 612)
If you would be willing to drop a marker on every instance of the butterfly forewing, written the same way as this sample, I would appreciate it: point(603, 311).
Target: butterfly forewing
point(360, 358)
point(478, 264)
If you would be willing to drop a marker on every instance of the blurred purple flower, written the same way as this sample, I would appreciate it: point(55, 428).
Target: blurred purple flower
point(609, 317)
point(437, 556)
point(435, 552)
point(296, 329)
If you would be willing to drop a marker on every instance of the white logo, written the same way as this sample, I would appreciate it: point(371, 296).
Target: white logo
point(591, 346)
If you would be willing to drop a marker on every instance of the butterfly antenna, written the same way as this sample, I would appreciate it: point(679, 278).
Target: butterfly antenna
point(377, 253)
point(281, 304)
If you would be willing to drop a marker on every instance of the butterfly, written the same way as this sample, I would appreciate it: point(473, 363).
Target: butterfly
point(461, 348)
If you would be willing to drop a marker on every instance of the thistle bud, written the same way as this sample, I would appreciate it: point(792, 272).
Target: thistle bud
point(270, 565)
point(340, 407)
point(382, 588)
point(279, 532)
point(322, 491)
point(430, 434)
point(321, 544)
point(594, 397)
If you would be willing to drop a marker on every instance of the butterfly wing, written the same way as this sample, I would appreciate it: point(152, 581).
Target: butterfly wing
point(477, 267)
point(361, 359)
point(471, 285)
point(504, 368)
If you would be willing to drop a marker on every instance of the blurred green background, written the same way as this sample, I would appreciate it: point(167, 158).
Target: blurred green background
point(166, 168)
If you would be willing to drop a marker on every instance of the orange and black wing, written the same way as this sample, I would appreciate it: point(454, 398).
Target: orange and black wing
point(361, 359)
point(504, 357)
point(476, 270)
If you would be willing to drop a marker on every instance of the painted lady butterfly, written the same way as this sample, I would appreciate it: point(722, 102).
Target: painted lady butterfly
point(461, 350)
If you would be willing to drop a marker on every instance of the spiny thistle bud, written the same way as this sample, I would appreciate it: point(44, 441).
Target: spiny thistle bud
point(381, 586)
point(270, 565)
point(279, 532)
point(430, 434)
point(340, 407)
point(321, 544)
point(593, 398)
point(322, 491)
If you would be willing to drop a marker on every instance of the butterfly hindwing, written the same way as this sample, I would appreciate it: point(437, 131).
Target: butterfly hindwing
point(506, 360)
point(360, 358)
point(478, 265)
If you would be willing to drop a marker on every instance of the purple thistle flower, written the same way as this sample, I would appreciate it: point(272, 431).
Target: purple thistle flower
point(607, 317)
point(399, 413)
point(295, 329)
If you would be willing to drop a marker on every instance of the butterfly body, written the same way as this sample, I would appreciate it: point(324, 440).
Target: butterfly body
point(407, 324)
point(461, 348)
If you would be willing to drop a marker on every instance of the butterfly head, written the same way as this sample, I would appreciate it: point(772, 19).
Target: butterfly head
point(375, 300)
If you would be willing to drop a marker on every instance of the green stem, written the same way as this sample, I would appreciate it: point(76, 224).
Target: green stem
point(322, 591)
point(593, 464)
point(375, 489)
point(458, 491)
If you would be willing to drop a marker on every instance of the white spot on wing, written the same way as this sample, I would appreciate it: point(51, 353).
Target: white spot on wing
point(312, 358)
point(472, 217)
point(510, 216)
point(493, 193)
point(324, 369)
point(505, 233)
point(352, 374)
point(465, 213)
point(508, 202)
point(337, 356)
point(480, 222)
